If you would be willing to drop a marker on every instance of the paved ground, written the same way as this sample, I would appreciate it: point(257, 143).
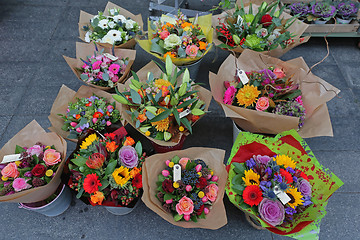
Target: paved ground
point(33, 36)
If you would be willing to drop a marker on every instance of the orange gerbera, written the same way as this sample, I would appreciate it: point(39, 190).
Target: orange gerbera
point(135, 171)
point(170, 54)
point(111, 146)
point(91, 183)
point(202, 45)
point(129, 141)
point(97, 197)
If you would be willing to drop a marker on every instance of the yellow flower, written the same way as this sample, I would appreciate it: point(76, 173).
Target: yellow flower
point(247, 95)
point(251, 178)
point(88, 141)
point(295, 197)
point(171, 164)
point(147, 133)
point(4, 178)
point(47, 147)
point(162, 82)
point(201, 194)
point(121, 175)
point(49, 173)
point(286, 161)
point(181, 129)
point(17, 163)
point(199, 173)
point(212, 172)
point(176, 185)
point(161, 125)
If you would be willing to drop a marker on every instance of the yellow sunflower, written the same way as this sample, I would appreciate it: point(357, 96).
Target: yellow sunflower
point(162, 82)
point(251, 178)
point(295, 197)
point(88, 141)
point(161, 125)
point(286, 161)
point(121, 175)
point(247, 95)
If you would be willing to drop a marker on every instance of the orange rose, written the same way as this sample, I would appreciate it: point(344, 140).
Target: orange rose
point(51, 157)
point(202, 45)
point(10, 170)
point(111, 146)
point(97, 197)
point(211, 192)
point(183, 162)
point(129, 141)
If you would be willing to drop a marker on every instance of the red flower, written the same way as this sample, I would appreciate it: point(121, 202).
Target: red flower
point(252, 195)
point(266, 20)
point(111, 136)
point(286, 175)
point(304, 176)
point(95, 161)
point(39, 170)
point(200, 210)
point(114, 194)
point(137, 181)
point(167, 186)
point(88, 104)
point(98, 115)
point(201, 183)
point(91, 183)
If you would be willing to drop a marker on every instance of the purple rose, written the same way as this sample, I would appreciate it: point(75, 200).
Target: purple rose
point(304, 187)
point(263, 159)
point(128, 156)
point(35, 150)
point(272, 212)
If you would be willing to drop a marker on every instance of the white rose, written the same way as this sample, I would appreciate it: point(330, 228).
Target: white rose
point(104, 24)
point(130, 24)
point(111, 24)
point(171, 41)
point(87, 36)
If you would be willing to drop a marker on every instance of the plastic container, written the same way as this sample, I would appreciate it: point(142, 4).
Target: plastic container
point(163, 149)
point(342, 21)
point(55, 207)
point(122, 210)
point(320, 21)
point(193, 69)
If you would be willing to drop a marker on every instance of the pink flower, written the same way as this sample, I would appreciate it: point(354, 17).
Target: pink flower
point(204, 199)
point(79, 130)
point(279, 73)
point(115, 78)
point(227, 84)
point(214, 178)
point(114, 68)
point(198, 168)
point(229, 95)
point(123, 68)
point(188, 188)
point(187, 217)
point(20, 184)
point(108, 123)
point(51, 157)
point(167, 162)
point(183, 162)
point(111, 74)
point(73, 124)
point(96, 65)
point(191, 50)
point(206, 211)
point(185, 206)
point(85, 66)
point(35, 150)
point(262, 104)
point(165, 173)
point(211, 192)
point(164, 34)
point(10, 170)
point(94, 120)
point(169, 201)
point(106, 60)
point(100, 75)
point(299, 100)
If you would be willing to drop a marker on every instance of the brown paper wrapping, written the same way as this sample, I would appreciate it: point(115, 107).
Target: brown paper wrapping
point(297, 28)
point(315, 93)
point(85, 17)
point(27, 137)
point(84, 49)
point(204, 94)
point(214, 158)
point(61, 103)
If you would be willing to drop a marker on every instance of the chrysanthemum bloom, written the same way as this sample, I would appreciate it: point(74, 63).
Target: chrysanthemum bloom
point(285, 160)
point(247, 95)
point(88, 141)
point(252, 195)
point(296, 197)
point(121, 175)
point(97, 197)
point(91, 183)
point(251, 178)
point(137, 181)
point(161, 125)
point(95, 161)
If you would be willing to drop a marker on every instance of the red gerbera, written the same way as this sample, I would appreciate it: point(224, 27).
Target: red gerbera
point(252, 195)
point(304, 176)
point(91, 183)
point(137, 181)
point(286, 175)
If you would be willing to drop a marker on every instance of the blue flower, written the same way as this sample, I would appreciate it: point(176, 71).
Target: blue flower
point(307, 201)
point(268, 170)
point(290, 210)
point(250, 163)
point(290, 170)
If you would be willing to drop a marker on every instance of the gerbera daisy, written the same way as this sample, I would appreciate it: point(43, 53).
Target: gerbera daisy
point(91, 183)
point(296, 197)
point(251, 178)
point(162, 82)
point(161, 125)
point(247, 95)
point(88, 141)
point(286, 161)
point(135, 171)
point(114, 68)
point(137, 181)
point(229, 95)
point(121, 175)
point(286, 175)
point(252, 195)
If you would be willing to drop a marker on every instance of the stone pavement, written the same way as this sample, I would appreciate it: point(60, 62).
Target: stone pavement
point(34, 34)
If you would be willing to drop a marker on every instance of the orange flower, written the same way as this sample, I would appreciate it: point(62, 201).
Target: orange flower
point(95, 161)
point(141, 92)
point(142, 117)
point(129, 141)
point(97, 197)
point(170, 54)
point(111, 146)
point(135, 171)
point(167, 25)
point(98, 115)
point(186, 24)
point(202, 45)
point(77, 116)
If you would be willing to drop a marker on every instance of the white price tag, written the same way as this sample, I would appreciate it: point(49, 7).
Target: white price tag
point(111, 57)
point(281, 195)
point(177, 172)
point(184, 113)
point(242, 76)
point(11, 158)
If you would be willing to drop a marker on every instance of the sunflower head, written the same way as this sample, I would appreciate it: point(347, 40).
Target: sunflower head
point(161, 125)
point(121, 175)
point(247, 95)
point(251, 178)
point(296, 197)
point(286, 161)
point(88, 141)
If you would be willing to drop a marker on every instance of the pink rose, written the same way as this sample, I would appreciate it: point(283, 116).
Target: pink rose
point(51, 157)
point(279, 73)
point(10, 170)
point(164, 34)
point(211, 192)
point(191, 50)
point(262, 104)
point(183, 162)
point(35, 150)
point(20, 184)
point(185, 206)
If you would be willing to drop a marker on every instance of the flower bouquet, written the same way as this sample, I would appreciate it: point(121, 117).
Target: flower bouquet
point(113, 27)
point(106, 170)
point(186, 187)
point(74, 113)
point(162, 104)
point(279, 183)
point(31, 165)
point(282, 109)
point(103, 68)
point(184, 40)
point(261, 28)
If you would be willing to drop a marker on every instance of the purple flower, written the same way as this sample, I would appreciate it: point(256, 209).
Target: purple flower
point(323, 10)
point(2, 166)
point(263, 159)
point(9, 193)
point(268, 171)
point(290, 170)
point(250, 163)
point(28, 174)
point(272, 212)
point(86, 125)
point(278, 178)
point(290, 210)
point(304, 187)
point(128, 156)
point(6, 184)
point(346, 10)
point(268, 73)
point(300, 8)
point(93, 98)
point(307, 201)
point(100, 110)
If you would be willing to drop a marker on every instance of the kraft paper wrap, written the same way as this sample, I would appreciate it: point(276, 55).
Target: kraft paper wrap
point(27, 137)
point(297, 28)
point(315, 93)
point(153, 166)
point(84, 49)
point(204, 94)
point(61, 103)
point(85, 17)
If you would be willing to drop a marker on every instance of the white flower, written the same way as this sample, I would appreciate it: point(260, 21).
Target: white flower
point(130, 24)
point(119, 17)
point(104, 24)
point(87, 36)
point(271, 38)
point(112, 11)
point(107, 39)
point(111, 24)
point(126, 37)
point(115, 35)
point(171, 41)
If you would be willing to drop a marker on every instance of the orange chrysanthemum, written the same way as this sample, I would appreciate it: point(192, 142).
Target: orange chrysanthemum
point(167, 25)
point(97, 198)
point(161, 125)
point(247, 95)
point(91, 183)
point(202, 45)
point(162, 82)
point(186, 24)
point(111, 146)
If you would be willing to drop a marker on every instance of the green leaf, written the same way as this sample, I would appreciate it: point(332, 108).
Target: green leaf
point(137, 123)
point(150, 76)
point(19, 149)
point(84, 77)
point(239, 167)
point(161, 178)
point(161, 116)
point(136, 98)
point(202, 215)
point(194, 218)
point(178, 217)
point(175, 159)
point(149, 115)
point(36, 159)
point(136, 83)
point(186, 76)
point(186, 124)
point(182, 89)
point(181, 53)
point(120, 99)
point(187, 103)
point(197, 112)
point(167, 136)
point(160, 66)
point(159, 136)
point(176, 115)
point(168, 196)
point(104, 184)
point(157, 49)
point(168, 65)
point(79, 161)
point(244, 205)
point(237, 180)
point(138, 148)
point(72, 135)
point(238, 189)
point(106, 77)
point(80, 193)
point(110, 167)
point(158, 96)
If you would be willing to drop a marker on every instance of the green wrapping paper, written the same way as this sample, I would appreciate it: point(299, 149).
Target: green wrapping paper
point(324, 183)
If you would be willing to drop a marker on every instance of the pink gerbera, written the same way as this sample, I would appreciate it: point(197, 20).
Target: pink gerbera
point(96, 65)
point(114, 68)
point(229, 95)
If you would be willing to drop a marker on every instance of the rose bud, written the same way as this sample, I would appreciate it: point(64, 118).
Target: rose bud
point(187, 217)
point(198, 167)
point(165, 173)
